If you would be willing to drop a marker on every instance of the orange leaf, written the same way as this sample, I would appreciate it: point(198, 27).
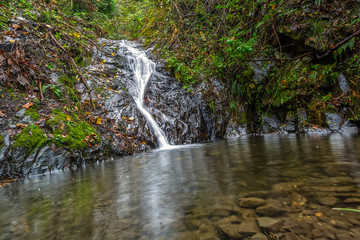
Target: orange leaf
point(28, 105)
point(68, 118)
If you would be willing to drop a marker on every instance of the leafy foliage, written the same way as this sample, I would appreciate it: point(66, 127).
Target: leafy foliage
point(221, 40)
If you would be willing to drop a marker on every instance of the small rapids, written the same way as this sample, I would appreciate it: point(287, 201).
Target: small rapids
point(143, 68)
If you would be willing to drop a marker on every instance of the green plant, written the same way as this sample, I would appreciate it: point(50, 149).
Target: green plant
point(318, 2)
point(55, 89)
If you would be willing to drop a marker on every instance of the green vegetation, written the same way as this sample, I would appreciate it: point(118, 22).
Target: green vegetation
point(31, 137)
point(32, 112)
point(70, 131)
point(223, 40)
point(1, 141)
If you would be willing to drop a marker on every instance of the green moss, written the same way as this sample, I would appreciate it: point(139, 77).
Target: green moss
point(32, 112)
point(71, 132)
point(1, 141)
point(31, 137)
point(67, 81)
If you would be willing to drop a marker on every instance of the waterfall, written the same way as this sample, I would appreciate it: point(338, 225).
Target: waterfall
point(142, 68)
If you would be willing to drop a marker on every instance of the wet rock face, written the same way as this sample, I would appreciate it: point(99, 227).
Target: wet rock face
point(180, 114)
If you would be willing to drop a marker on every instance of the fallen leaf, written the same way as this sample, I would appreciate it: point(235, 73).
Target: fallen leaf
point(68, 118)
point(98, 121)
point(28, 105)
point(21, 125)
point(319, 214)
point(2, 114)
point(53, 147)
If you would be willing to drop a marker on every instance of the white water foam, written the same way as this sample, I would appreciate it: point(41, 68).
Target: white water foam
point(143, 67)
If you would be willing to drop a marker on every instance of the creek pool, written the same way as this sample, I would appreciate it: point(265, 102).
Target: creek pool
point(186, 193)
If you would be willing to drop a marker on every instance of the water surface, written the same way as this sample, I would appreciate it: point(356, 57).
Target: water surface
point(157, 195)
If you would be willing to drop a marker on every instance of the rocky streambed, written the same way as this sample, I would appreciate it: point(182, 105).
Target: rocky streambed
point(289, 211)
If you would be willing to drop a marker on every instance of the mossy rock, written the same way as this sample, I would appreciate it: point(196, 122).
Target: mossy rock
point(31, 137)
point(70, 131)
point(32, 112)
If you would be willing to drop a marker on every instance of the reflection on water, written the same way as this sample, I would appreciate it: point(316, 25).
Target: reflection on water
point(152, 195)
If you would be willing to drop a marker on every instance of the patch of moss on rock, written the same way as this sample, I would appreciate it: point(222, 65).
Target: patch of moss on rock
point(31, 137)
point(1, 141)
point(70, 131)
point(32, 112)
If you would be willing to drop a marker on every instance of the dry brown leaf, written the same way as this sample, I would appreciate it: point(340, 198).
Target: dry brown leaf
point(28, 105)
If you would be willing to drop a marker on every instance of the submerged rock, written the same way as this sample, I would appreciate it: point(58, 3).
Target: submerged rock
point(269, 210)
point(251, 202)
point(259, 236)
point(328, 200)
point(270, 224)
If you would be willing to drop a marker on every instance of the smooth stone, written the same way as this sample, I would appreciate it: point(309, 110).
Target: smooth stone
point(259, 236)
point(225, 210)
point(297, 199)
point(285, 187)
point(269, 210)
point(274, 202)
point(352, 200)
point(229, 220)
point(341, 189)
point(252, 202)
point(248, 213)
point(270, 224)
point(231, 230)
point(328, 201)
point(248, 228)
point(256, 194)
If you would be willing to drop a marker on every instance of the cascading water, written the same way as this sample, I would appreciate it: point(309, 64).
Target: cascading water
point(143, 67)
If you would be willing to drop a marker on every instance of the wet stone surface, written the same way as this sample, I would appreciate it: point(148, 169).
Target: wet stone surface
point(180, 114)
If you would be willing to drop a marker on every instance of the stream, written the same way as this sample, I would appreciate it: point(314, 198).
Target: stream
point(197, 192)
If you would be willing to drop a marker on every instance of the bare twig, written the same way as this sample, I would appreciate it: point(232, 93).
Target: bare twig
point(278, 59)
point(339, 45)
point(41, 92)
point(277, 38)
